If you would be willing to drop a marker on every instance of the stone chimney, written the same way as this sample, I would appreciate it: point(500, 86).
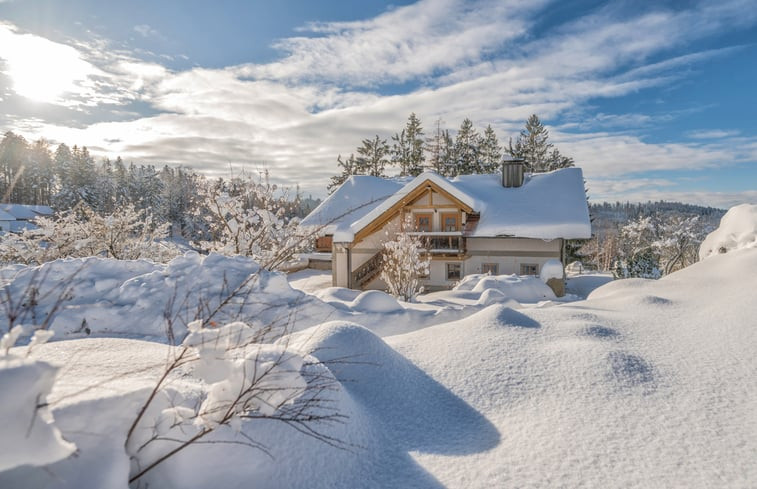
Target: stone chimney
point(512, 172)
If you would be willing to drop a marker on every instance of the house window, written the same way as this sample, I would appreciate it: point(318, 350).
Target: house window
point(423, 222)
point(450, 222)
point(529, 269)
point(492, 268)
point(454, 271)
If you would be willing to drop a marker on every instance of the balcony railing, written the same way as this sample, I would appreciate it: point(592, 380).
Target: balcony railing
point(442, 242)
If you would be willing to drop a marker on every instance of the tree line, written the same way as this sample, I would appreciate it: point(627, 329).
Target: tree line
point(412, 151)
point(63, 176)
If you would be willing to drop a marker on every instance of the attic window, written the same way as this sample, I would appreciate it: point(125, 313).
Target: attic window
point(450, 222)
point(423, 222)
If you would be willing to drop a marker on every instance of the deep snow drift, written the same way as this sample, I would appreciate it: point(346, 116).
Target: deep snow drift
point(737, 230)
point(645, 384)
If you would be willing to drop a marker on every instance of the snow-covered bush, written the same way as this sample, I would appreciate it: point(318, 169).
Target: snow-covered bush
point(403, 264)
point(678, 242)
point(737, 230)
point(651, 247)
point(250, 218)
point(126, 234)
point(636, 256)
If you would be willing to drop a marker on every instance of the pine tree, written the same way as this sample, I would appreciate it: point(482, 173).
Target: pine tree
point(555, 161)
point(372, 157)
point(407, 150)
point(349, 167)
point(14, 159)
point(434, 149)
point(490, 152)
point(42, 174)
point(448, 156)
point(414, 134)
point(400, 152)
point(466, 149)
point(532, 145)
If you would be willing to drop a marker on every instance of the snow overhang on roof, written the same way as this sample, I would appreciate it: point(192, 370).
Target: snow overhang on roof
point(348, 234)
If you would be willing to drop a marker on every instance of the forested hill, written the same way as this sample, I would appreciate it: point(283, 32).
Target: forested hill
point(619, 213)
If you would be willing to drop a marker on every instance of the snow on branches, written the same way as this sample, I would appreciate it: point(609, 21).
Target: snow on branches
point(403, 264)
point(125, 234)
point(651, 247)
point(251, 218)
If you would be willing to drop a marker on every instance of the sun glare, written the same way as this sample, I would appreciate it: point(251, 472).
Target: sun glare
point(40, 69)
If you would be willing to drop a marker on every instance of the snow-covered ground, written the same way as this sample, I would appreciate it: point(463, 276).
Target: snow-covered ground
point(644, 384)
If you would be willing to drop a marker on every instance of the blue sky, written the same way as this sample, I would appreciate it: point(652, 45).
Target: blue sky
point(654, 100)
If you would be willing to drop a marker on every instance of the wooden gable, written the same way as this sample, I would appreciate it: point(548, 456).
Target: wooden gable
point(421, 197)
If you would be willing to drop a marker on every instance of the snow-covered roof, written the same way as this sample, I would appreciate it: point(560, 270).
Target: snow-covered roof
point(19, 211)
point(41, 210)
point(548, 205)
point(5, 216)
point(19, 226)
point(355, 198)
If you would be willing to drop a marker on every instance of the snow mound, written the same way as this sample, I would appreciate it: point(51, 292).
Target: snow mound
point(408, 405)
point(27, 434)
point(737, 230)
point(140, 298)
point(375, 301)
point(524, 289)
point(551, 269)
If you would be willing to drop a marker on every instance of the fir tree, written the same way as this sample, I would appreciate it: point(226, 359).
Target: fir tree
point(414, 134)
point(532, 145)
point(434, 149)
point(349, 167)
point(448, 156)
point(407, 150)
point(490, 152)
point(400, 152)
point(466, 149)
point(373, 157)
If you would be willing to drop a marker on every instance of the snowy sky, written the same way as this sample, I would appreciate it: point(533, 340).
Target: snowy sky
point(655, 100)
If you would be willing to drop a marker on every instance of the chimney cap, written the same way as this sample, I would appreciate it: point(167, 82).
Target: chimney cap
point(509, 160)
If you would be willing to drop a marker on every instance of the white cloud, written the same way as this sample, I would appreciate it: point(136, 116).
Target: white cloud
point(145, 30)
point(712, 134)
point(297, 114)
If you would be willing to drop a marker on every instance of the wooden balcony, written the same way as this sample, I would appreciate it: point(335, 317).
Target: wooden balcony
point(442, 243)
